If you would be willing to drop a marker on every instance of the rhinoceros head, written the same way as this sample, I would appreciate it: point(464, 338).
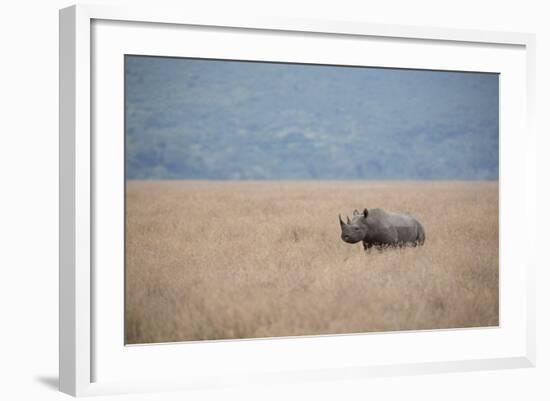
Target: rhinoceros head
point(355, 229)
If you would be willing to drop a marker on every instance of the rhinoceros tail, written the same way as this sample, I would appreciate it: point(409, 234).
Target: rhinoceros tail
point(421, 235)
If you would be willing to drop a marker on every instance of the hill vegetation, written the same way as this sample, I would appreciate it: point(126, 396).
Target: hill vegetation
point(205, 119)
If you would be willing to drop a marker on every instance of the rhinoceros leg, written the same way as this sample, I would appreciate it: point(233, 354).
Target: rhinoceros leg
point(367, 246)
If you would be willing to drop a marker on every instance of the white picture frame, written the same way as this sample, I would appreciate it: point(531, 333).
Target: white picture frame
point(83, 344)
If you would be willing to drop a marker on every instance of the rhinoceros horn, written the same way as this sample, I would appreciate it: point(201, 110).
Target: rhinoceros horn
point(341, 221)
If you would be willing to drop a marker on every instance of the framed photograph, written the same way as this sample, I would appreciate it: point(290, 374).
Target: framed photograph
point(277, 200)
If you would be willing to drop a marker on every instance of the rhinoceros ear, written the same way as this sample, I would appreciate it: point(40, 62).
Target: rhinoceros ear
point(355, 212)
point(349, 221)
point(365, 213)
point(341, 221)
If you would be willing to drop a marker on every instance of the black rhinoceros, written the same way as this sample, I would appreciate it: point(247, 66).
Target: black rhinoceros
point(379, 228)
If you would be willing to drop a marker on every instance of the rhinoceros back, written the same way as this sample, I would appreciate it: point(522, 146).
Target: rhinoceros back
point(391, 227)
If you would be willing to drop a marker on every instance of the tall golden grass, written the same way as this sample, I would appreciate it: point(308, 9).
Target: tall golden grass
point(220, 260)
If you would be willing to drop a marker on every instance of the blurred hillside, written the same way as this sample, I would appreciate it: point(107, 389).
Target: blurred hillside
point(203, 119)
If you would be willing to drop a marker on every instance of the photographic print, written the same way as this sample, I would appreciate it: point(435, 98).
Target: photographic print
point(269, 199)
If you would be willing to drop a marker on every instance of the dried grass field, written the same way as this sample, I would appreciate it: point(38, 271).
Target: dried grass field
point(220, 260)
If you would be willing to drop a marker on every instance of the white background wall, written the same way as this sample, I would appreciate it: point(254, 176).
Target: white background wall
point(29, 211)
